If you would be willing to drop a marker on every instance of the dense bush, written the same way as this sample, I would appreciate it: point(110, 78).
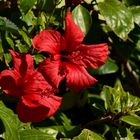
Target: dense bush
point(75, 106)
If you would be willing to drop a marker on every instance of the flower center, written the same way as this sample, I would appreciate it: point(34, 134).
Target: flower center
point(64, 56)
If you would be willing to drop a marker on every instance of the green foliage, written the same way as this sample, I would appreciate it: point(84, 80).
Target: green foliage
point(35, 135)
point(6, 24)
point(136, 13)
point(123, 134)
point(118, 17)
point(108, 109)
point(16, 130)
point(25, 5)
point(47, 5)
point(88, 135)
point(131, 119)
point(9, 120)
point(117, 100)
point(82, 18)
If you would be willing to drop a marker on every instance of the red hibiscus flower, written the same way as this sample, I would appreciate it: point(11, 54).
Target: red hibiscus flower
point(69, 58)
point(75, 2)
point(36, 96)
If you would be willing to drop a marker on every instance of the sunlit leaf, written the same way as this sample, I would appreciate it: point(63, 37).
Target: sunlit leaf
point(122, 133)
point(82, 18)
point(49, 131)
point(9, 40)
point(9, 120)
point(61, 3)
point(117, 100)
point(23, 48)
point(88, 1)
point(25, 37)
point(7, 57)
point(131, 119)
point(63, 119)
point(38, 58)
point(6, 24)
point(26, 5)
point(29, 18)
point(88, 135)
point(35, 135)
point(136, 14)
point(117, 16)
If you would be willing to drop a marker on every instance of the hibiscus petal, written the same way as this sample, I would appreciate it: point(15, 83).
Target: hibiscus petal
point(31, 100)
point(78, 78)
point(53, 71)
point(34, 88)
point(31, 114)
point(9, 82)
point(35, 83)
point(46, 98)
point(90, 56)
point(73, 35)
point(52, 102)
point(22, 62)
point(48, 41)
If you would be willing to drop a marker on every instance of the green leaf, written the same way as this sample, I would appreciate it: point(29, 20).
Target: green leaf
point(117, 100)
point(129, 135)
point(109, 67)
point(108, 98)
point(136, 14)
point(62, 118)
point(9, 40)
point(26, 5)
point(35, 135)
point(9, 120)
point(6, 24)
point(47, 5)
point(23, 48)
point(49, 131)
point(29, 18)
point(42, 20)
point(7, 57)
point(131, 119)
point(88, 135)
point(128, 102)
point(16, 130)
point(61, 4)
point(65, 130)
point(88, 1)
point(122, 133)
point(118, 17)
point(25, 37)
point(82, 18)
point(38, 58)
point(1, 50)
